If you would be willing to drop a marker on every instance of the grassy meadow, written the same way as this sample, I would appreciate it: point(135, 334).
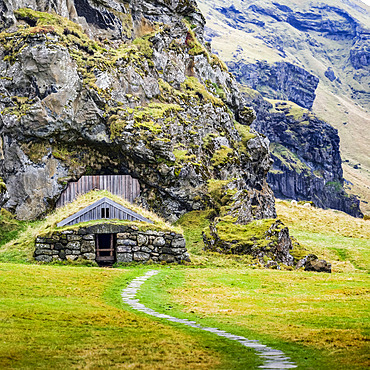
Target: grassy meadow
point(55, 316)
point(58, 317)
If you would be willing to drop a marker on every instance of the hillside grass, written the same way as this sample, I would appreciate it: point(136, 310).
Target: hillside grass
point(320, 321)
point(59, 317)
point(333, 235)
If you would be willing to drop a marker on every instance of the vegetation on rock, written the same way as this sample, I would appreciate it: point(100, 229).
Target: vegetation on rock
point(157, 105)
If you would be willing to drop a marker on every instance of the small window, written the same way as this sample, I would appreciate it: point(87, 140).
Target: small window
point(105, 213)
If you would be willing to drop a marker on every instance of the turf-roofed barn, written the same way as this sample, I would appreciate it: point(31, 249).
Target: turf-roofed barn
point(107, 229)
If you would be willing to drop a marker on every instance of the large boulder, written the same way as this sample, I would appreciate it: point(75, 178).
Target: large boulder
point(312, 263)
point(122, 88)
point(265, 240)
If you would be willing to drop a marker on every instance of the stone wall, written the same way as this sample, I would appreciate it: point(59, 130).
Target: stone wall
point(132, 244)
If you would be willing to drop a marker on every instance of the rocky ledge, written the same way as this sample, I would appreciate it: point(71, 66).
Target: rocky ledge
point(281, 80)
point(266, 241)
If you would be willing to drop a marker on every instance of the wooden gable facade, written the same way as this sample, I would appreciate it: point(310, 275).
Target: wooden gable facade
point(124, 186)
point(104, 208)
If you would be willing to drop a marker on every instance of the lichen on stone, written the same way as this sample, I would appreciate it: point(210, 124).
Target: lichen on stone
point(222, 156)
point(2, 186)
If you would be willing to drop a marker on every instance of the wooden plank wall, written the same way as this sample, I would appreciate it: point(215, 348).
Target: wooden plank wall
point(122, 185)
point(95, 214)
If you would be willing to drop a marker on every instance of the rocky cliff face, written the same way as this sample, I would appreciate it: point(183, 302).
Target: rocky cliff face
point(281, 80)
point(260, 40)
point(298, 39)
point(360, 52)
point(123, 87)
point(307, 163)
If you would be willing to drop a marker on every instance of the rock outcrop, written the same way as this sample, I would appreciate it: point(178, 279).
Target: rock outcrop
point(307, 163)
point(281, 80)
point(360, 52)
point(312, 263)
point(122, 87)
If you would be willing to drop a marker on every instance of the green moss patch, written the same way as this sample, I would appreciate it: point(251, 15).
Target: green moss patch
point(35, 151)
point(2, 186)
point(195, 47)
point(148, 118)
point(19, 107)
point(335, 185)
point(198, 91)
point(220, 193)
point(144, 46)
point(291, 110)
point(288, 159)
point(246, 236)
point(182, 155)
point(222, 156)
point(245, 134)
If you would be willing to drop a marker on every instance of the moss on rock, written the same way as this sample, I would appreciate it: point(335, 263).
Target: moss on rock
point(221, 156)
point(288, 159)
point(245, 134)
point(265, 240)
point(2, 186)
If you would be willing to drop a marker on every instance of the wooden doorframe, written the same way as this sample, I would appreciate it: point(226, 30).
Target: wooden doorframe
point(111, 249)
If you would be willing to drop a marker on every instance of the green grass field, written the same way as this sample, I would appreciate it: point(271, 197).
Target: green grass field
point(55, 317)
point(72, 316)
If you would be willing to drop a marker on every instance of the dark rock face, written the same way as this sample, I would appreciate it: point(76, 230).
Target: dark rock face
point(149, 101)
point(280, 80)
point(327, 19)
point(360, 52)
point(329, 73)
point(307, 163)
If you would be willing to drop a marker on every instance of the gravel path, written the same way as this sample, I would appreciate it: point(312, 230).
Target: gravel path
point(273, 358)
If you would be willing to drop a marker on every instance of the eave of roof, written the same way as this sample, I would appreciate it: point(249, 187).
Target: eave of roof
point(96, 204)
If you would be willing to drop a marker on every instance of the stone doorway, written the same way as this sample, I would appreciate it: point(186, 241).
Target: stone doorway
point(105, 249)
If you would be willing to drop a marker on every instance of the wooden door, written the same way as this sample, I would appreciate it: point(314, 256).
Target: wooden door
point(105, 248)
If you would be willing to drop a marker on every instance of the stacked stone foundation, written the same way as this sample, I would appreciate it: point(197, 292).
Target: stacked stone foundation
point(132, 245)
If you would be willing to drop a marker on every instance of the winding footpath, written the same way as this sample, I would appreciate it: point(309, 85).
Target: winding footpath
point(273, 358)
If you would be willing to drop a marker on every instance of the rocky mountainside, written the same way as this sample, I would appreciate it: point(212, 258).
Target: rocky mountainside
point(313, 53)
point(281, 80)
point(92, 87)
point(307, 163)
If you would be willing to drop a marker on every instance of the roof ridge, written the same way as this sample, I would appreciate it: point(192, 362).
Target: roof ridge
point(95, 204)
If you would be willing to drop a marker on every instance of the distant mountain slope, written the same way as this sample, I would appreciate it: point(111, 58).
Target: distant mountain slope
point(329, 40)
point(307, 163)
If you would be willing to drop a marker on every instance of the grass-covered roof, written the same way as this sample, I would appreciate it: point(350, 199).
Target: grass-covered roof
point(22, 247)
